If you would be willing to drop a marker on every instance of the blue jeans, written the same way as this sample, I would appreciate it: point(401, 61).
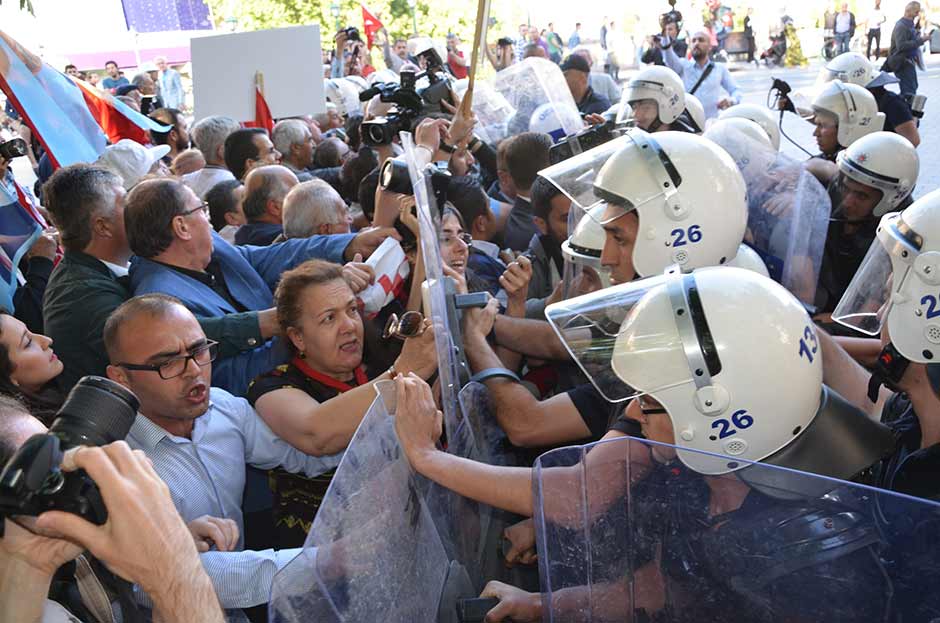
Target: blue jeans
point(907, 75)
point(842, 42)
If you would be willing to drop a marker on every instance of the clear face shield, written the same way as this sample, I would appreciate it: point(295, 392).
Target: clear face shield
point(640, 337)
point(643, 94)
point(883, 274)
point(635, 155)
point(583, 272)
point(643, 114)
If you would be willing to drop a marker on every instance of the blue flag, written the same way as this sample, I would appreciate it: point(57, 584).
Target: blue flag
point(166, 15)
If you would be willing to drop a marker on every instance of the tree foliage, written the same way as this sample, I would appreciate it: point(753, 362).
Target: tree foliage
point(434, 17)
point(25, 5)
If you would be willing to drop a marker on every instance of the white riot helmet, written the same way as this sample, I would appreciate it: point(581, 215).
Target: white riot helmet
point(854, 107)
point(687, 341)
point(343, 95)
point(750, 131)
point(760, 115)
point(688, 194)
point(660, 84)
point(553, 119)
point(899, 282)
point(748, 259)
point(854, 68)
point(885, 161)
point(696, 113)
point(584, 246)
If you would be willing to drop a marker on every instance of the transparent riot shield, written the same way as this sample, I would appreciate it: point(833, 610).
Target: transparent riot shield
point(507, 103)
point(373, 553)
point(788, 211)
point(469, 530)
point(625, 532)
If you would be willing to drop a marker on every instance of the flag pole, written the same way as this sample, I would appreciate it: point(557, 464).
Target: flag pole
point(479, 40)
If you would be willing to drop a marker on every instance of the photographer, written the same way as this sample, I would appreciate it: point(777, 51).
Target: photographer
point(144, 540)
point(456, 63)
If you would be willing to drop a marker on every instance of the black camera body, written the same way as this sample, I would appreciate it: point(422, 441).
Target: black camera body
point(352, 33)
point(14, 148)
point(410, 101)
point(586, 139)
point(96, 412)
point(394, 177)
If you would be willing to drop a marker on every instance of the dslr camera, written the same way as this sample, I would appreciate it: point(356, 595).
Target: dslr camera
point(394, 177)
point(96, 412)
point(352, 33)
point(14, 148)
point(410, 101)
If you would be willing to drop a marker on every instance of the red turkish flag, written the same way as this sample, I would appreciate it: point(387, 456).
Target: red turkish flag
point(263, 118)
point(370, 25)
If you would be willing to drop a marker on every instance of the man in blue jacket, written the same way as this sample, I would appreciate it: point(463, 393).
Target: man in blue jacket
point(178, 253)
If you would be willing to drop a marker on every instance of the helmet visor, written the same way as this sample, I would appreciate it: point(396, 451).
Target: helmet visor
point(867, 301)
point(640, 337)
point(575, 176)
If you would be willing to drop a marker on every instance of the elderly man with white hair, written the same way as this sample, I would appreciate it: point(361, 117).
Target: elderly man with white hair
point(294, 140)
point(209, 136)
point(314, 208)
point(171, 85)
point(329, 119)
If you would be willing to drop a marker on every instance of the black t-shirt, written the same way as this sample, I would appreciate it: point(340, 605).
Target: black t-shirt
point(599, 415)
point(296, 497)
point(895, 109)
point(911, 470)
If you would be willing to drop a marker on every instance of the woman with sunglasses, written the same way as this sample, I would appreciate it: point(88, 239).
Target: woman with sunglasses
point(317, 400)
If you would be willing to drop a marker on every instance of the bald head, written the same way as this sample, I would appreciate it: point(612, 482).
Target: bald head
point(128, 314)
point(16, 426)
point(265, 190)
point(314, 208)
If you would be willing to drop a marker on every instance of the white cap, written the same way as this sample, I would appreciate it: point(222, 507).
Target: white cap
point(131, 160)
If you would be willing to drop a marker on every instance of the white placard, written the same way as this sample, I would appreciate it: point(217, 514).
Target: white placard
point(224, 69)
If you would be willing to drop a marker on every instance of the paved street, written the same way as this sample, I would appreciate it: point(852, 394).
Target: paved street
point(756, 82)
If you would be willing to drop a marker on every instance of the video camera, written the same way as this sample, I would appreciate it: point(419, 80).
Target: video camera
point(394, 177)
point(96, 412)
point(586, 139)
point(409, 100)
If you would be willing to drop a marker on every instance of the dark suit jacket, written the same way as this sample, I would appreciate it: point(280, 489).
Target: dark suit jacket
point(83, 292)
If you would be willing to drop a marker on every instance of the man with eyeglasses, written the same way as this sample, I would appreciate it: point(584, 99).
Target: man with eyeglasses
point(199, 439)
point(178, 253)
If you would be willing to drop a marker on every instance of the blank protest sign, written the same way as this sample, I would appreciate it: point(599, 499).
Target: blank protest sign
point(224, 69)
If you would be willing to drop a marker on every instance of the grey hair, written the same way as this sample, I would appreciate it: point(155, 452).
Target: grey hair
point(209, 135)
point(288, 132)
point(309, 205)
point(323, 118)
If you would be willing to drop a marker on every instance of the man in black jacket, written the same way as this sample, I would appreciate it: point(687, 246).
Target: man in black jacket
point(905, 40)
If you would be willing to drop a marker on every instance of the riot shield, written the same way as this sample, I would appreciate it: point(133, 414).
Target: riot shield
point(509, 101)
point(625, 532)
point(788, 210)
point(373, 553)
point(468, 530)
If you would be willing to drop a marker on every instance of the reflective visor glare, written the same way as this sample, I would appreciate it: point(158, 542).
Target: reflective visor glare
point(866, 302)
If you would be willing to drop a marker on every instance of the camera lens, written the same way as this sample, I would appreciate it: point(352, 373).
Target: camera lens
point(96, 412)
point(394, 177)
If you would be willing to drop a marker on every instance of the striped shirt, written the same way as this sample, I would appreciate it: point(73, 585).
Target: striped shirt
point(206, 476)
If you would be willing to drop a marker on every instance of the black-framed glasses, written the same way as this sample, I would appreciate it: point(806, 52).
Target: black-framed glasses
point(204, 206)
point(176, 366)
